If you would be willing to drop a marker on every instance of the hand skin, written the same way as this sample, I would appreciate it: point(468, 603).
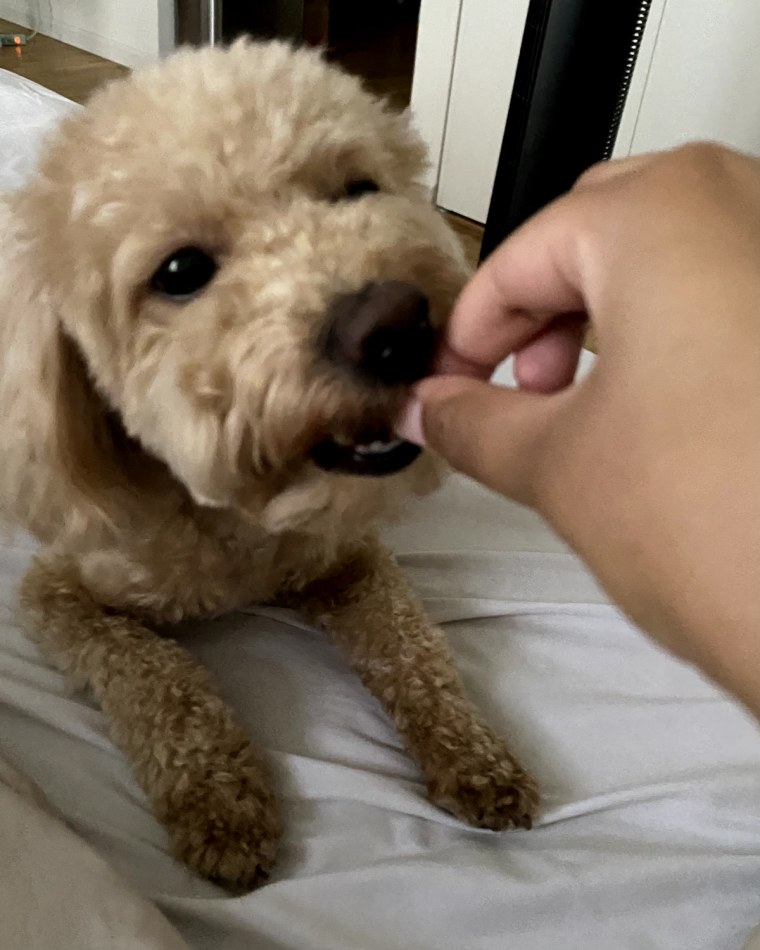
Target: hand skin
point(650, 467)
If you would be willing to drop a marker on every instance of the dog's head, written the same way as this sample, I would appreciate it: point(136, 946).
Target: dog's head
point(236, 261)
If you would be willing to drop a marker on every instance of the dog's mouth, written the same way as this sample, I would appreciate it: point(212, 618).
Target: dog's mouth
point(371, 453)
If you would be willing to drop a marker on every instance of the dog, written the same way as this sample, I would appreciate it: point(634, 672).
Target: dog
point(226, 276)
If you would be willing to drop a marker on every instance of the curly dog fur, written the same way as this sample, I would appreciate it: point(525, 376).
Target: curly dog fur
point(160, 449)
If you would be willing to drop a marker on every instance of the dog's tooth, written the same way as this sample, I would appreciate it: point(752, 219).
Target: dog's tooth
point(377, 447)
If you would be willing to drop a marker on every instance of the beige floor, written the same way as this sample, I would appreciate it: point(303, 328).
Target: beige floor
point(62, 68)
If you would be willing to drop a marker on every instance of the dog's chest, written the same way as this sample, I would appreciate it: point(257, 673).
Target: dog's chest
point(192, 570)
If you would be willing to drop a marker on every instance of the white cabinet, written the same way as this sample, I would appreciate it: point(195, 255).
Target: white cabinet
point(467, 55)
point(488, 46)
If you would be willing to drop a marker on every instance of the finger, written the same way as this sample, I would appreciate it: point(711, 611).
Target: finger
point(493, 434)
point(521, 287)
point(536, 274)
point(449, 363)
point(548, 363)
point(545, 365)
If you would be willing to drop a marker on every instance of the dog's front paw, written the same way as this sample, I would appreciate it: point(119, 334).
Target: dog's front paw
point(226, 828)
point(484, 786)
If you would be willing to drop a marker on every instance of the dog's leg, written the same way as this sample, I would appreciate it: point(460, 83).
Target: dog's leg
point(190, 755)
point(377, 622)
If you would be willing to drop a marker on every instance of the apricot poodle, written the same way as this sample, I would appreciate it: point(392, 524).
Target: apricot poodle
point(225, 276)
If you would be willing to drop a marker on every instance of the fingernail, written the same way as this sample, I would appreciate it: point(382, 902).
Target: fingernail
point(409, 423)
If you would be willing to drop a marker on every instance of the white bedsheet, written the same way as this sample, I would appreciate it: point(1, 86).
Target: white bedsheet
point(27, 114)
point(57, 893)
point(650, 834)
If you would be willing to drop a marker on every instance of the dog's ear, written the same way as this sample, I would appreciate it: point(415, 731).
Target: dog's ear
point(58, 459)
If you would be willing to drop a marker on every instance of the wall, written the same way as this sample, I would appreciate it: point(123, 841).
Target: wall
point(131, 32)
point(703, 78)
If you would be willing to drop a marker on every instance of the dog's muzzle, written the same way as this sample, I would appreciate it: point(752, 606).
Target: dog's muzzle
point(383, 336)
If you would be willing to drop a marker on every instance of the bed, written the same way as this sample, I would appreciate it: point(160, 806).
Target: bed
point(649, 837)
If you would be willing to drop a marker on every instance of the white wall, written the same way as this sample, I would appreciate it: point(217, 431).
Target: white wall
point(702, 80)
point(132, 32)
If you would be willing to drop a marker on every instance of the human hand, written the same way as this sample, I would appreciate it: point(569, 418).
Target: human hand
point(649, 467)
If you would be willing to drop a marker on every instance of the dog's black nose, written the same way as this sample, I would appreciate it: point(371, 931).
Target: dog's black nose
point(383, 332)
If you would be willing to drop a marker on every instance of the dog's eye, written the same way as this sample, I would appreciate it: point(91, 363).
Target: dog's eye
point(362, 186)
point(184, 273)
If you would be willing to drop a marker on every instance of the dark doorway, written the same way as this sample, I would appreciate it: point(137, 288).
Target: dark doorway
point(374, 39)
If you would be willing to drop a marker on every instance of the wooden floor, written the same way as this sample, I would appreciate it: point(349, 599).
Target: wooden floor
point(62, 68)
point(470, 233)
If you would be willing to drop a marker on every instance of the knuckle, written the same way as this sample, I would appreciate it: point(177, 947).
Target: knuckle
point(591, 176)
point(704, 153)
point(698, 164)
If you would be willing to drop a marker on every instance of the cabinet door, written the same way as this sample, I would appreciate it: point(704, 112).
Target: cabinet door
point(466, 61)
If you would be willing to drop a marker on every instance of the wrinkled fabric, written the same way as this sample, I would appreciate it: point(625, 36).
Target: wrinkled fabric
point(650, 831)
point(56, 892)
point(649, 837)
point(27, 114)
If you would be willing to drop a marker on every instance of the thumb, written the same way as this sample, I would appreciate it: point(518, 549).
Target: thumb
point(495, 435)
